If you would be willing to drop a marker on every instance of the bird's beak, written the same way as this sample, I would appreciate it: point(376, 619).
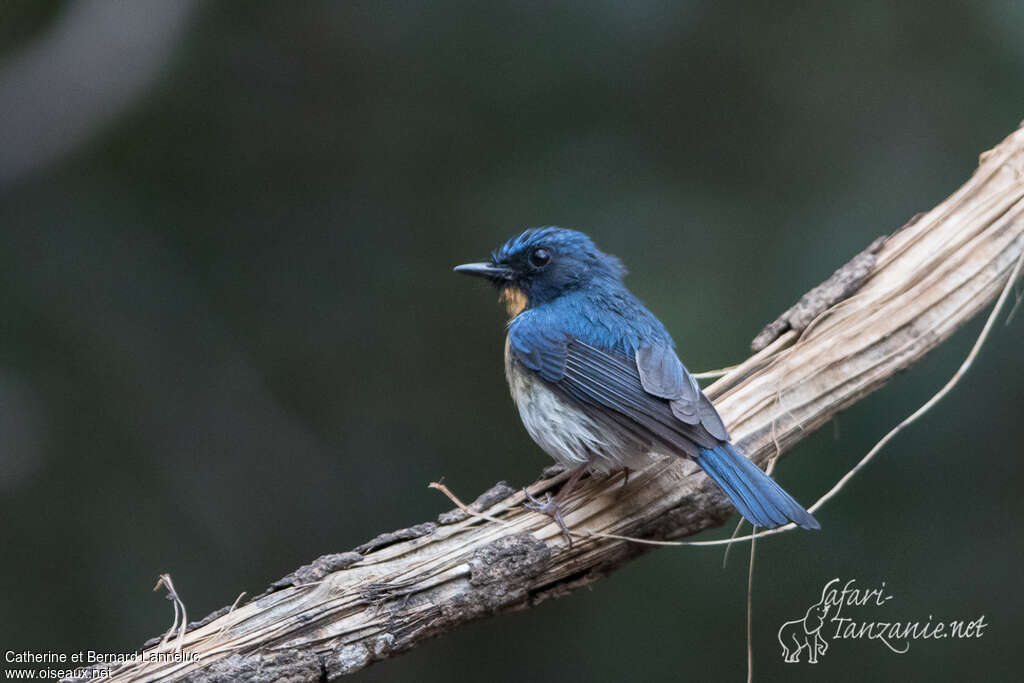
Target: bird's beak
point(487, 270)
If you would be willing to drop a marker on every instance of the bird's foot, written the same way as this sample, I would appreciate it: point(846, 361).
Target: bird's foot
point(550, 507)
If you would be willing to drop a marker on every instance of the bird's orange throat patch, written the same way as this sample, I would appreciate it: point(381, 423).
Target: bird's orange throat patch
point(514, 300)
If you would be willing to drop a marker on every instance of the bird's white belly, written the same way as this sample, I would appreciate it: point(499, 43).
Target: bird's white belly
point(565, 432)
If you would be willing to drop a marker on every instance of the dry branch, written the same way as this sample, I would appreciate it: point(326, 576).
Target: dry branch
point(347, 610)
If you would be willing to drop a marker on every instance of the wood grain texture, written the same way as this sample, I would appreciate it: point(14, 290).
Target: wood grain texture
point(338, 616)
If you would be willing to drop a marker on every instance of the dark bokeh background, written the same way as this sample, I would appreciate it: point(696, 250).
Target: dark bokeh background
point(232, 342)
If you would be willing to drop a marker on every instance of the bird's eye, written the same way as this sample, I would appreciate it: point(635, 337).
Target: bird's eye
point(539, 257)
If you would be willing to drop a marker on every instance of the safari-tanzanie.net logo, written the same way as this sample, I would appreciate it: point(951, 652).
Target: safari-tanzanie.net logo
point(848, 612)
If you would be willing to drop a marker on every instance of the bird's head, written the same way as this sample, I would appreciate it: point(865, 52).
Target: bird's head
point(542, 264)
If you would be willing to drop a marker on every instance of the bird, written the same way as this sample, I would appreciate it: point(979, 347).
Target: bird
point(597, 381)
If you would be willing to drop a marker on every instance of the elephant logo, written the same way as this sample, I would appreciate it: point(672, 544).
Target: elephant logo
point(805, 634)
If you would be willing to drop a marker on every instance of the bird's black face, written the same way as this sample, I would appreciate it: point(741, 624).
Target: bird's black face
point(542, 264)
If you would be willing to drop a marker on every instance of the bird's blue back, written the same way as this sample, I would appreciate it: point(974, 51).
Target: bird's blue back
point(606, 316)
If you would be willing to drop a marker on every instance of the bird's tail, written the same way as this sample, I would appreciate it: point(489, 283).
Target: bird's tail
point(754, 493)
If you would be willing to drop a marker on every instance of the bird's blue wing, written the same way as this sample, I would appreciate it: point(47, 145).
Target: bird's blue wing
point(540, 350)
point(662, 374)
point(648, 394)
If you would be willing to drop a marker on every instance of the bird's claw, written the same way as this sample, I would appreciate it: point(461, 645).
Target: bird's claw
point(550, 507)
point(534, 503)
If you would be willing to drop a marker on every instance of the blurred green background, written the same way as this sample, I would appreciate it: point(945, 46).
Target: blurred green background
point(232, 341)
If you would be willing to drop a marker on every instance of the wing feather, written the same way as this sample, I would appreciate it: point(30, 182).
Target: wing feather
point(650, 396)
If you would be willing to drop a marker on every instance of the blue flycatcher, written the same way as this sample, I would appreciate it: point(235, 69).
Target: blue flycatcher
point(596, 378)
